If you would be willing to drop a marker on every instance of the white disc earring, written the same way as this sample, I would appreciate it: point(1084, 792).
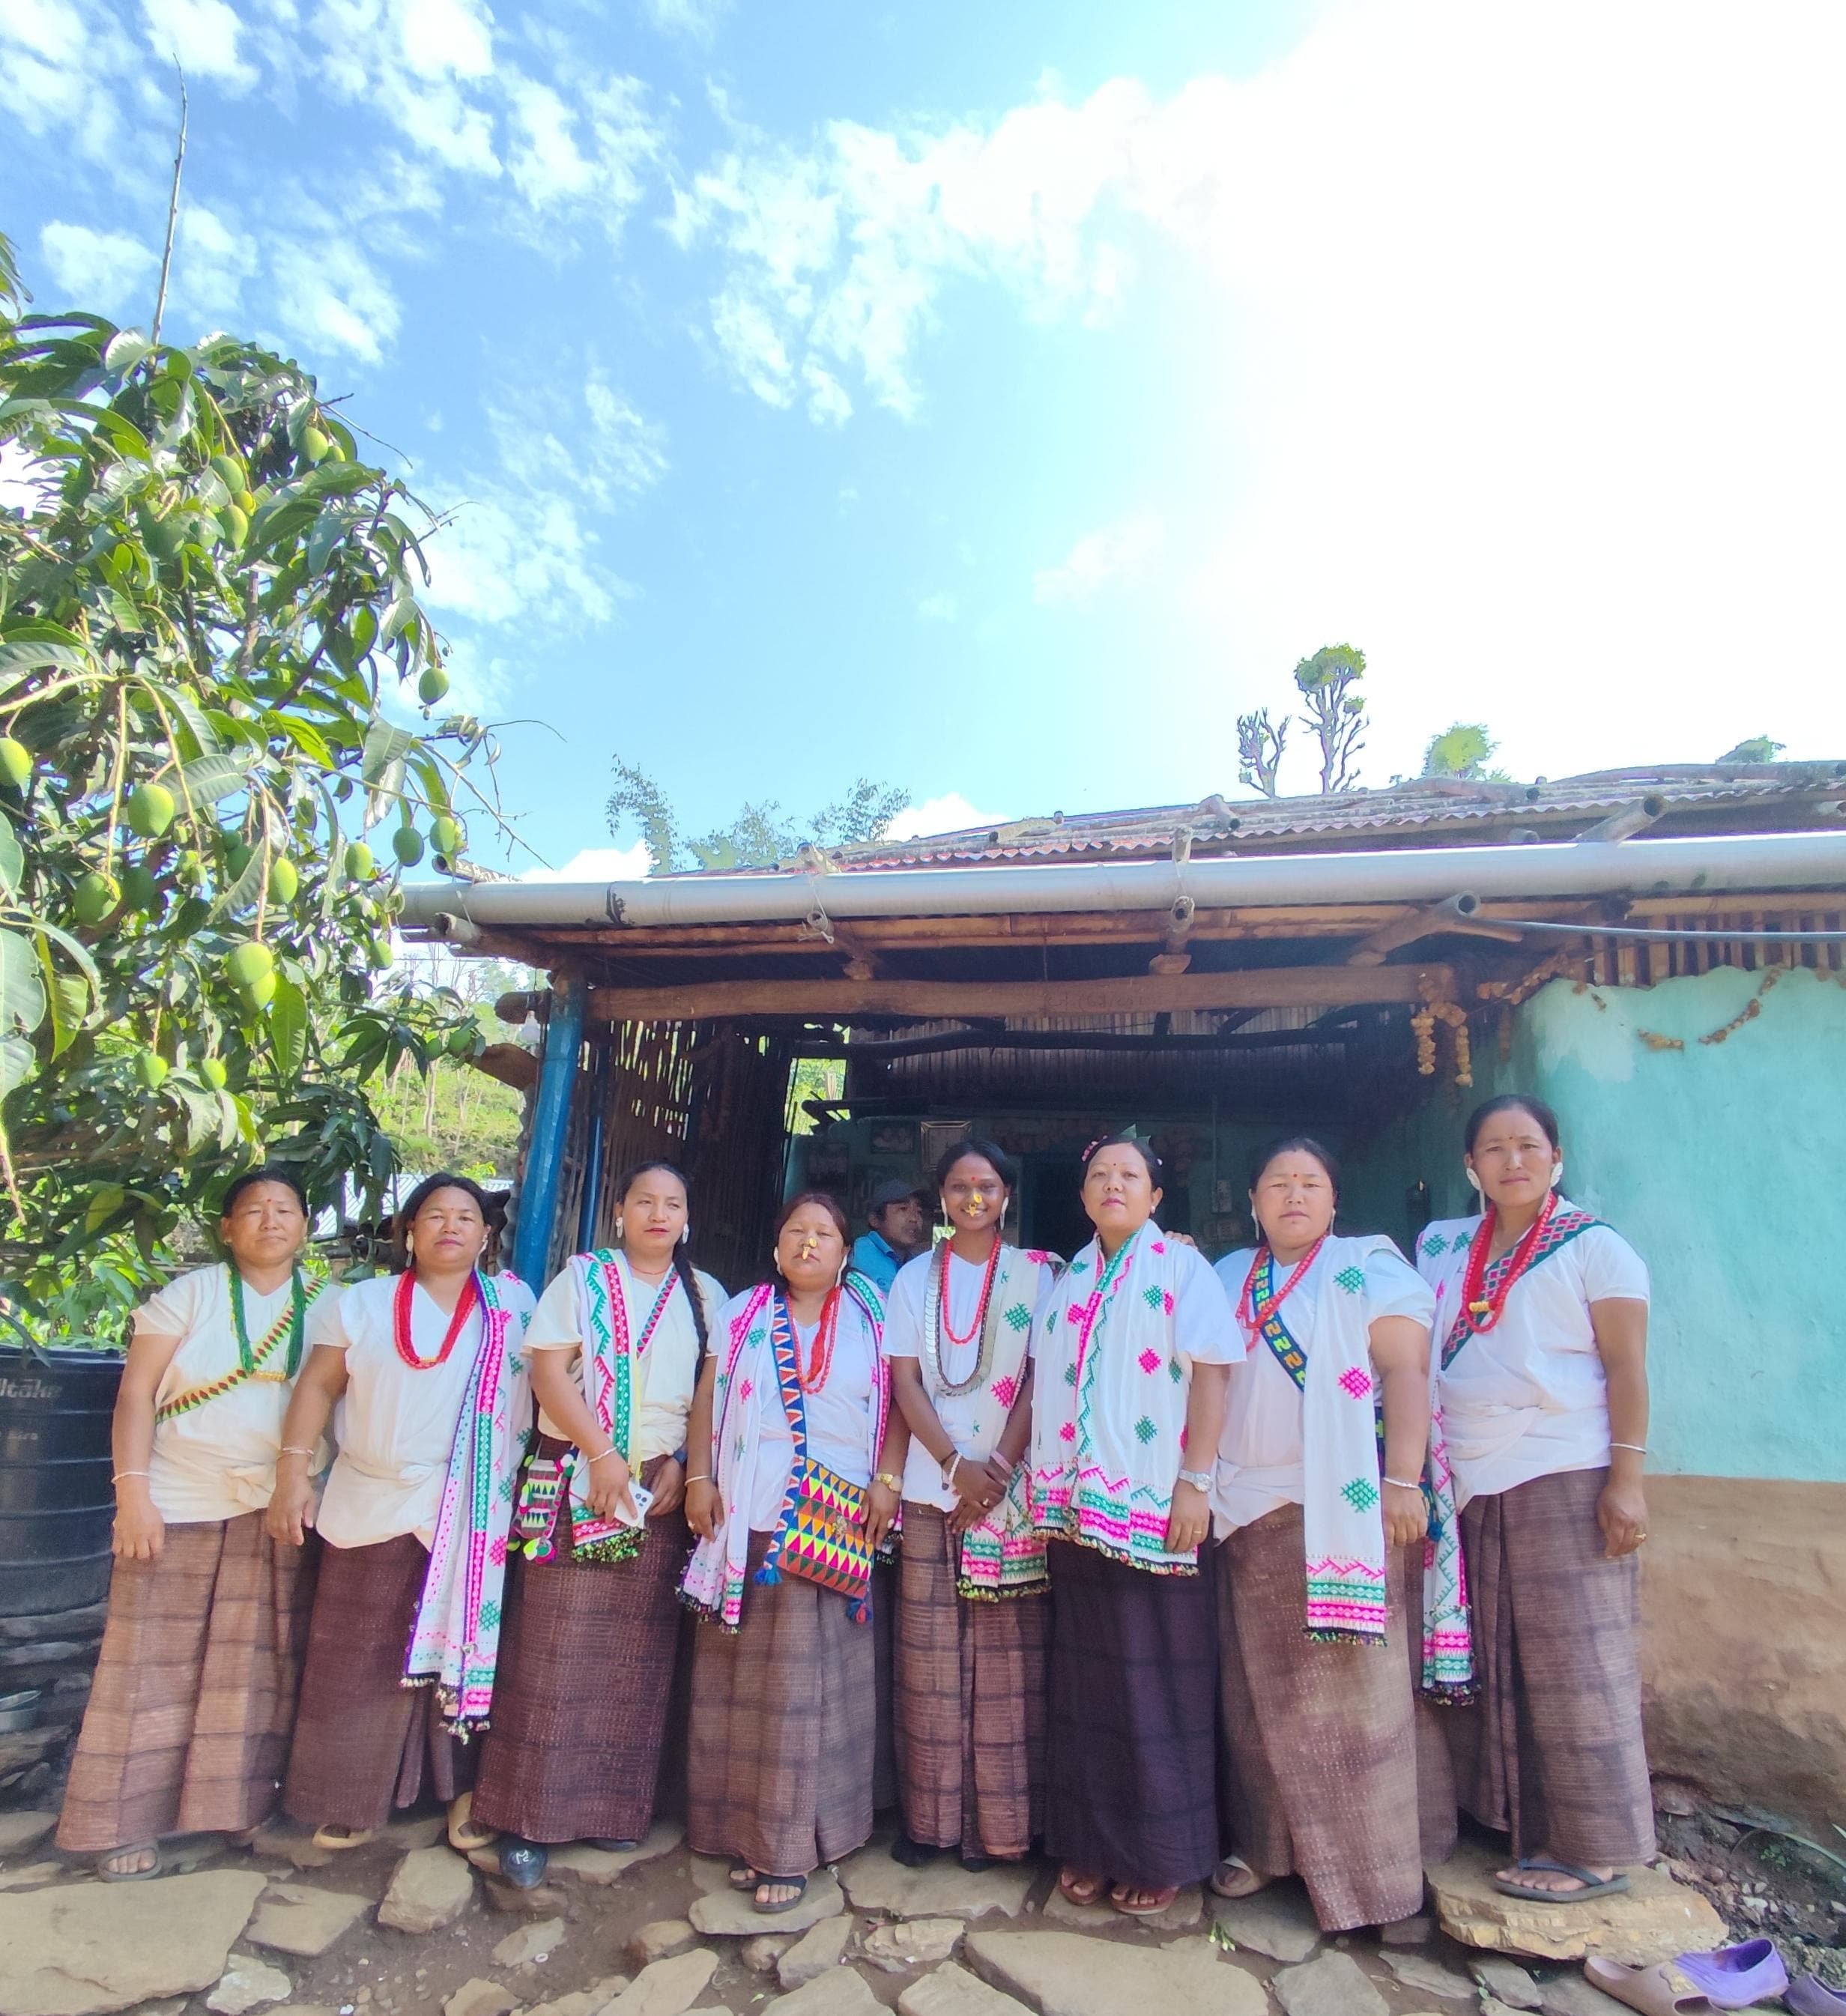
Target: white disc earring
point(685, 1232)
point(1557, 1169)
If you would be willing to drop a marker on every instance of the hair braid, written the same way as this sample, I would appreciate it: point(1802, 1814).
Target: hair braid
point(689, 1281)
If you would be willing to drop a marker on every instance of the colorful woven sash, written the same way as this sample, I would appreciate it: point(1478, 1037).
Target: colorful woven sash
point(259, 1365)
point(821, 1536)
point(1563, 1226)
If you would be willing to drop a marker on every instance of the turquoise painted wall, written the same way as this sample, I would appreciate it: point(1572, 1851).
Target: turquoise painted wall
point(1722, 1164)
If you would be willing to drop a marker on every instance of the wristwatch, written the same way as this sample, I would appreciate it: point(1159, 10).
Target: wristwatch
point(1200, 1480)
point(890, 1480)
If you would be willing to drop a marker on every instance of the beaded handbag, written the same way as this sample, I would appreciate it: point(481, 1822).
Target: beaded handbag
point(823, 1532)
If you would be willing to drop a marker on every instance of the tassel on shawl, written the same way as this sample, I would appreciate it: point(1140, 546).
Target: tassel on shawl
point(767, 1576)
point(859, 1610)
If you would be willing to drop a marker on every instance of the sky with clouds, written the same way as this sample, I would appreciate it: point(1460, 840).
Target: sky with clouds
point(999, 401)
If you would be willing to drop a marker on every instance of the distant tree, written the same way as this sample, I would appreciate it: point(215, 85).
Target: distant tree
point(759, 835)
point(1463, 750)
point(1335, 711)
point(1756, 749)
point(1260, 743)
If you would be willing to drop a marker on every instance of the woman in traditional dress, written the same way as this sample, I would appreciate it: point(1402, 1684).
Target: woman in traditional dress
point(587, 1659)
point(188, 1717)
point(1334, 1607)
point(1541, 1327)
point(970, 1667)
point(796, 1460)
point(1133, 1349)
point(427, 1372)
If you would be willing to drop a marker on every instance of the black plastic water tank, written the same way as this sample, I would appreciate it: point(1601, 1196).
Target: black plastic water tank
point(57, 1503)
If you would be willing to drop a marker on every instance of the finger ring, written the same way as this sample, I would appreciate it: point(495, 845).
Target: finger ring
point(1639, 1537)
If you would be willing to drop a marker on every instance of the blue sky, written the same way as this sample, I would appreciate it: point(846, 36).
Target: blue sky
point(998, 400)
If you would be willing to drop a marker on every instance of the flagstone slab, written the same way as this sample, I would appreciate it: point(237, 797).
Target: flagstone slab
point(1065, 1974)
point(296, 1918)
point(1278, 1922)
point(1654, 1919)
point(953, 1991)
point(604, 1865)
point(1333, 1985)
point(1429, 1977)
point(731, 1914)
point(85, 1949)
point(940, 1889)
point(840, 1993)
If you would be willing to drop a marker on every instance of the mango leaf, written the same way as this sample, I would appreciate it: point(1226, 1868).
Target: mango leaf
point(243, 893)
point(22, 992)
point(19, 661)
point(384, 745)
point(12, 862)
point(75, 950)
point(18, 1061)
point(68, 995)
point(208, 778)
point(288, 1028)
point(104, 1204)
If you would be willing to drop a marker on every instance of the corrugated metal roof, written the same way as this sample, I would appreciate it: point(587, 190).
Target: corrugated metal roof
point(1745, 797)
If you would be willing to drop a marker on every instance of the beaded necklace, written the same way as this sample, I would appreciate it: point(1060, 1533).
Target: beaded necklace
point(1255, 1319)
point(1483, 1305)
point(400, 1332)
point(936, 1325)
point(619, 1309)
point(820, 1360)
point(293, 1317)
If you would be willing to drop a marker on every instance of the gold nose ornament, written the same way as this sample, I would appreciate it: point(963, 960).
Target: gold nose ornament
point(809, 1247)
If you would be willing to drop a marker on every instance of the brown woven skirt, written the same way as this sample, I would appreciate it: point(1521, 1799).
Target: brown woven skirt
point(363, 1741)
point(1552, 1752)
point(969, 1701)
point(885, 1787)
point(189, 1714)
point(1130, 1746)
point(1324, 1761)
point(581, 1694)
point(780, 1771)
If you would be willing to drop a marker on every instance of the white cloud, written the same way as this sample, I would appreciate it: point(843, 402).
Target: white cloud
point(597, 864)
point(106, 272)
point(213, 262)
point(1118, 553)
point(446, 38)
point(941, 607)
point(331, 298)
point(201, 35)
point(950, 813)
point(697, 21)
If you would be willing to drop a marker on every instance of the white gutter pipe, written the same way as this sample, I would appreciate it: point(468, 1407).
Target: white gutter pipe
point(1701, 866)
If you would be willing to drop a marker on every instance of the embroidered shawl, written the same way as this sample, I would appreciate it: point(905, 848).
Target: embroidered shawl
point(1342, 1432)
point(747, 1383)
point(274, 1358)
point(614, 1367)
point(1444, 1265)
point(1108, 1406)
point(1002, 1554)
point(454, 1642)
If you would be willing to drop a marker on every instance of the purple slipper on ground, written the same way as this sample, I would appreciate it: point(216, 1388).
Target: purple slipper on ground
point(1734, 1977)
point(1811, 1996)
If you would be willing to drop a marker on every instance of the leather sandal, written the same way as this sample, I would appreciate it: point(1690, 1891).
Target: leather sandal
point(1234, 1877)
point(797, 1884)
point(1155, 1900)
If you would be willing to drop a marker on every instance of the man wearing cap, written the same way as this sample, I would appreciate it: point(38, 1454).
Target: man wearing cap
point(898, 1232)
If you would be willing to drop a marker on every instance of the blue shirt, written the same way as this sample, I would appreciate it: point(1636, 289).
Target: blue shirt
point(874, 1256)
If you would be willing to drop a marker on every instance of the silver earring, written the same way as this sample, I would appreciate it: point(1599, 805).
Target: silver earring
point(685, 1232)
point(1474, 1179)
point(1557, 1169)
point(618, 1226)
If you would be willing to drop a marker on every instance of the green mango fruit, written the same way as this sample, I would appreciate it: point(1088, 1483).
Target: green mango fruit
point(246, 502)
point(212, 1070)
point(235, 524)
point(259, 993)
point(249, 964)
point(150, 1068)
point(461, 1043)
point(446, 835)
point(407, 843)
point(360, 867)
point(16, 762)
point(285, 880)
point(239, 858)
point(314, 444)
point(150, 810)
point(141, 892)
point(229, 472)
point(377, 953)
point(431, 687)
point(96, 895)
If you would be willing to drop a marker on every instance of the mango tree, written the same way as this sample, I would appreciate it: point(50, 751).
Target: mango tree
point(221, 741)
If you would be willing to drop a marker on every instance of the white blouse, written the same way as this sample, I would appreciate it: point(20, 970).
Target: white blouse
point(663, 1377)
point(958, 1413)
point(1528, 1397)
point(217, 1460)
point(1259, 1454)
point(395, 1424)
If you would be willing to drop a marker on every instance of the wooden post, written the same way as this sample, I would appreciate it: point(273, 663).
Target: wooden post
point(550, 1114)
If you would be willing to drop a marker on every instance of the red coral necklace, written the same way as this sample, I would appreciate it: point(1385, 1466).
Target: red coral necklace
point(1255, 1319)
point(401, 1322)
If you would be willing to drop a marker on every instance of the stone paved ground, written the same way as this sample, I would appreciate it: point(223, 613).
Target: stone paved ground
point(405, 1927)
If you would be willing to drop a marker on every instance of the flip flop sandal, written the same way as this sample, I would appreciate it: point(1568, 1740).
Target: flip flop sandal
point(797, 1884)
point(1242, 1881)
point(1654, 1991)
point(1531, 1893)
point(1158, 1900)
point(1734, 1977)
point(339, 1838)
point(464, 1836)
point(1081, 1890)
point(1811, 1996)
point(130, 1875)
point(743, 1877)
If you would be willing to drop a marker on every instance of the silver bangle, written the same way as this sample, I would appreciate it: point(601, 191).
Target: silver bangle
point(704, 1477)
point(1635, 1448)
point(611, 1451)
point(1402, 1486)
point(120, 1474)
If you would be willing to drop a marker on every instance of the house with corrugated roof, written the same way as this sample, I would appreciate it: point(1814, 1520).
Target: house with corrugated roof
point(1658, 953)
